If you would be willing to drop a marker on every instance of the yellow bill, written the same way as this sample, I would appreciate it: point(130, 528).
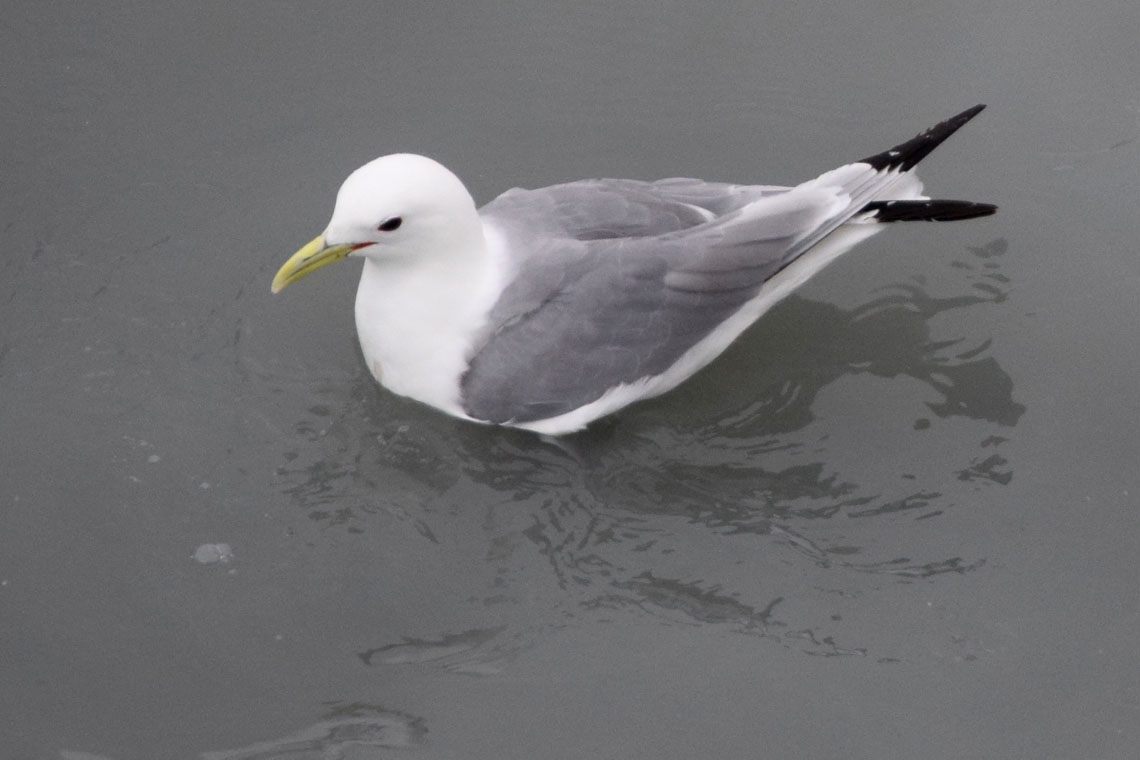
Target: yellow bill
point(309, 259)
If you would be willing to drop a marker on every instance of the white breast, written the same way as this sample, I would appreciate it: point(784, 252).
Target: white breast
point(416, 322)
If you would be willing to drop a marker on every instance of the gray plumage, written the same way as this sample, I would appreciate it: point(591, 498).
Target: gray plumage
point(622, 277)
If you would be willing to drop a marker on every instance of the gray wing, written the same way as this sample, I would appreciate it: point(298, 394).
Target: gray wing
point(588, 313)
point(618, 279)
point(600, 209)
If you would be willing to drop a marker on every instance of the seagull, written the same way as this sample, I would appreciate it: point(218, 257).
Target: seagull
point(547, 309)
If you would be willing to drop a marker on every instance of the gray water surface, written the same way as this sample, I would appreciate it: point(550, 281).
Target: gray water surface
point(897, 519)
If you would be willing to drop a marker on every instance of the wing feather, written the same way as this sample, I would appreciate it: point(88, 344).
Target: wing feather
point(584, 316)
point(615, 280)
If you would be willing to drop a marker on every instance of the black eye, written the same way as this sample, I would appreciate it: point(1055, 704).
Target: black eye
point(388, 225)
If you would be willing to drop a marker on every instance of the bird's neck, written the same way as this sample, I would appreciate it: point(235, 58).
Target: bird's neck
point(417, 317)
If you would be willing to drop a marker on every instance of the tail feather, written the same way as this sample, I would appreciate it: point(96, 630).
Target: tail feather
point(875, 183)
point(906, 155)
point(925, 210)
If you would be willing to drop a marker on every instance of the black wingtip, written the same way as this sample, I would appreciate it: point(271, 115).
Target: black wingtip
point(904, 157)
point(927, 210)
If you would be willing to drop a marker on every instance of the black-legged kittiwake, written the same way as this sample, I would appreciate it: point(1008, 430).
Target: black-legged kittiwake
point(547, 309)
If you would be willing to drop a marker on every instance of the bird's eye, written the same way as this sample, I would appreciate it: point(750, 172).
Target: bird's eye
point(388, 225)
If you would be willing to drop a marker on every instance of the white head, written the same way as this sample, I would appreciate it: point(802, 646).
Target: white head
point(393, 208)
point(395, 199)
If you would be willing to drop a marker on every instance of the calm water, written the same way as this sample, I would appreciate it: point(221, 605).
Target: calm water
point(897, 519)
